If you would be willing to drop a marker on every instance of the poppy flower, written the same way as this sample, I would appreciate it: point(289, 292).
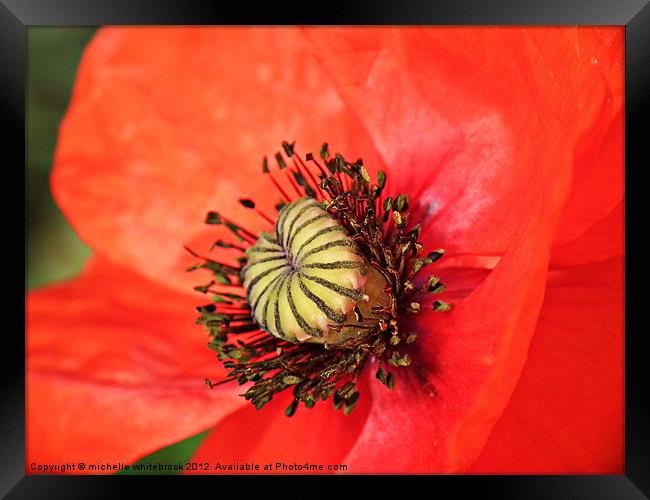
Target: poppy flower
point(508, 142)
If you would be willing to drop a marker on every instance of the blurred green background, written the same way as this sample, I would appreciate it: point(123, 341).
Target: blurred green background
point(54, 252)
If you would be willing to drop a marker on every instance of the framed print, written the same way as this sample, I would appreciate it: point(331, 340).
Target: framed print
point(360, 245)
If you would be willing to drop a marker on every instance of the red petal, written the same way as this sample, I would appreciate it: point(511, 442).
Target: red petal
point(319, 436)
point(115, 369)
point(466, 365)
point(168, 123)
point(598, 177)
point(566, 414)
point(596, 198)
point(600, 241)
point(470, 114)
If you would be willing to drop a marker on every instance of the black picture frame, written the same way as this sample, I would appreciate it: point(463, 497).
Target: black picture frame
point(17, 15)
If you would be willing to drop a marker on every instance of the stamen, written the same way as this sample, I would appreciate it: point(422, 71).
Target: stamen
point(300, 166)
point(242, 234)
point(226, 244)
point(265, 169)
point(251, 204)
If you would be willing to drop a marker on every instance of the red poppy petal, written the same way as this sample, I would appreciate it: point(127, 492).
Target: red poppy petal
point(598, 177)
point(566, 414)
point(469, 112)
point(600, 241)
point(168, 123)
point(318, 436)
point(115, 369)
point(466, 362)
point(596, 197)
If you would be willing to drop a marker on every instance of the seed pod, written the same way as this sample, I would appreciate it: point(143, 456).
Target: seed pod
point(308, 276)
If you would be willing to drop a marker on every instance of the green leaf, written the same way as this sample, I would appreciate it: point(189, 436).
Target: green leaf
point(176, 453)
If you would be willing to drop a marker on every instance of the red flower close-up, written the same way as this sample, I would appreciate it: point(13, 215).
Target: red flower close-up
point(508, 143)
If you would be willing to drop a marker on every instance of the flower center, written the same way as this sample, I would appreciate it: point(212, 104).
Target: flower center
point(318, 297)
point(307, 275)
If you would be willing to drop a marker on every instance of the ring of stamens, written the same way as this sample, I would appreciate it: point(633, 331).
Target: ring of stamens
point(313, 301)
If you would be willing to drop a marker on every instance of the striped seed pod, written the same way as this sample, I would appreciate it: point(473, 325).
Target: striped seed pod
point(307, 276)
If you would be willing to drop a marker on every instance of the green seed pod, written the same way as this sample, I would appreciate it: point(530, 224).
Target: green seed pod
point(308, 276)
